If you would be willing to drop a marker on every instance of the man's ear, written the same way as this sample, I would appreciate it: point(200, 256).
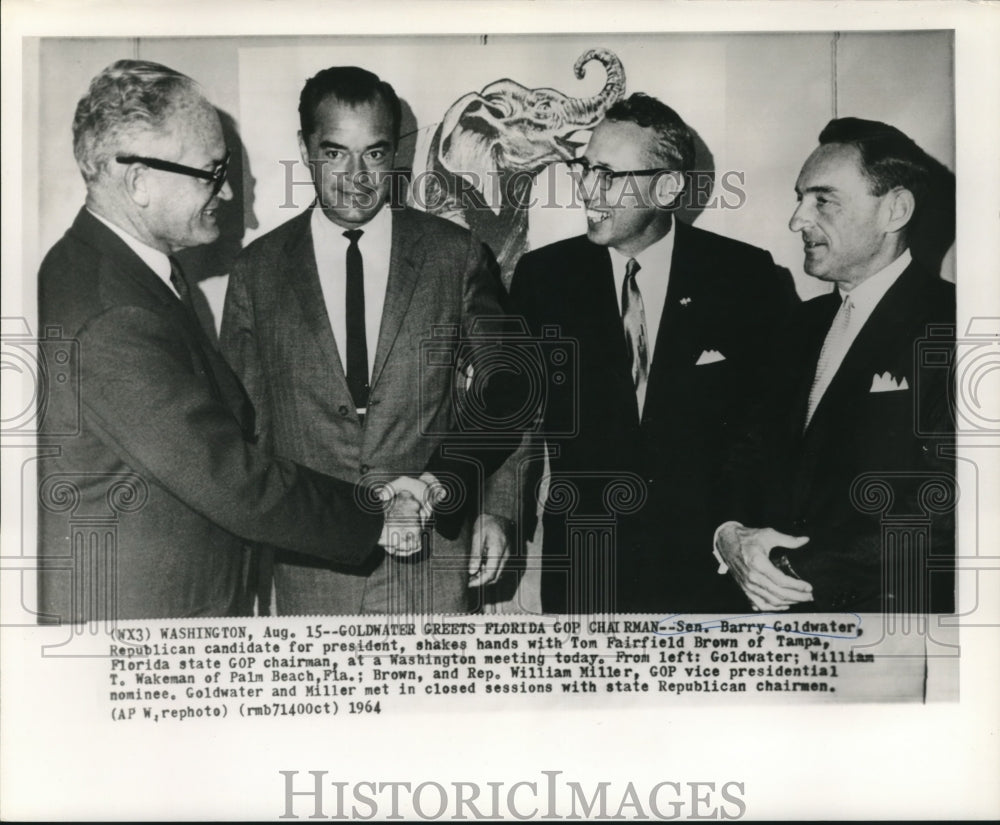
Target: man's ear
point(900, 206)
point(303, 150)
point(668, 189)
point(136, 183)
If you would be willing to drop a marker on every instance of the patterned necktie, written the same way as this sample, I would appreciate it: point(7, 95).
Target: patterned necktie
point(180, 284)
point(830, 357)
point(636, 337)
point(357, 346)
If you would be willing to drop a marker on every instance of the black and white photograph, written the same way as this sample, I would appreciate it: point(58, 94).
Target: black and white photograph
point(523, 388)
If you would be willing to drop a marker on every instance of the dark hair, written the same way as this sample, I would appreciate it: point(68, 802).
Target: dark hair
point(674, 141)
point(128, 97)
point(350, 85)
point(891, 159)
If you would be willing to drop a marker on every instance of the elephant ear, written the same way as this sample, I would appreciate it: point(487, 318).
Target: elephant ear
point(469, 136)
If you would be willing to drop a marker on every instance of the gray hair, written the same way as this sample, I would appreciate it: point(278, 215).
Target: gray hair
point(128, 97)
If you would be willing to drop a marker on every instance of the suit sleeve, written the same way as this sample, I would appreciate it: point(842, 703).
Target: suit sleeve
point(765, 302)
point(142, 395)
point(518, 479)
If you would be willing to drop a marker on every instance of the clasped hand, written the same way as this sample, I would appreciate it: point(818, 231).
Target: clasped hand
point(746, 551)
point(409, 503)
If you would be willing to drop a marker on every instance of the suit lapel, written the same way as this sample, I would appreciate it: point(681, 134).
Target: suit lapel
point(674, 337)
point(226, 387)
point(877, 339)
point(885, 326)
point(123, 259)
point(405, 260)
point(302, 274)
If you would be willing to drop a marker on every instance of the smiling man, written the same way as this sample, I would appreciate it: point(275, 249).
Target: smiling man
point(848, 482)
point(327, 318)
point(667, 322)
point(150, 477)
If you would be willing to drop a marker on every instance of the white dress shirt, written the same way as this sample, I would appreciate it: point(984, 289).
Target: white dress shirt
point(652, 279)
point(153, 258)
point(330, 247)
point(866, 295)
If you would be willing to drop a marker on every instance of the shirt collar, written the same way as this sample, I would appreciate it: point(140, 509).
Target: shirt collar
point(652, 258)
point(870, 291)
point(153, 258)
point(378, 231)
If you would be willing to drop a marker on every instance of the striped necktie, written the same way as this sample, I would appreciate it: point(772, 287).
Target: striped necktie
point(831, 356)
point(636, 336)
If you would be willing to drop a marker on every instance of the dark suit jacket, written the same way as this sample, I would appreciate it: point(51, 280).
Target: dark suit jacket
point(870, 481)
point(152, 480)
point(276, 332)
point(639, 493)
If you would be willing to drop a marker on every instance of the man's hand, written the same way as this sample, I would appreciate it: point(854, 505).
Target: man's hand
point(409, 503)
point(746, 551)
point(490, 549)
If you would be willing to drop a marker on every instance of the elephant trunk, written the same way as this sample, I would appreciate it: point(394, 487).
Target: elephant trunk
point(586, 111)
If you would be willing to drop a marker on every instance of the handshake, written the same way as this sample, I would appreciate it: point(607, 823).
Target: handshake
point(408, 503)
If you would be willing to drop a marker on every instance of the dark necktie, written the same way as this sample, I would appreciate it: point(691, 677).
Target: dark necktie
point(357, 346)
point(636, 337)
point(180, 284)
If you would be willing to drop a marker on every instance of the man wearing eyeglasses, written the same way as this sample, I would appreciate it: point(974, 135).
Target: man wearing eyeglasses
point(668, 322)
point(150, 477)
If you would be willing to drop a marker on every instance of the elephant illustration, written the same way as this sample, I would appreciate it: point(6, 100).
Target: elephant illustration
point(491, 144)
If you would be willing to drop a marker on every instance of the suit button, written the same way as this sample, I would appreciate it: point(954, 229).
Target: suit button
point(343, 409)
point(364, 468)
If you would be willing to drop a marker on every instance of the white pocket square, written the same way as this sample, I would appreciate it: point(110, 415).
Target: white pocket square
point(709, 356)
point(886, 383)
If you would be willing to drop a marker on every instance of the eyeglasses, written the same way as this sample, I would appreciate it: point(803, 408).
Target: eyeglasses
point(605, 175)
point(217, 176)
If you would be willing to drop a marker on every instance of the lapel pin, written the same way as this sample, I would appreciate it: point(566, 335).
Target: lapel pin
point(685, 301)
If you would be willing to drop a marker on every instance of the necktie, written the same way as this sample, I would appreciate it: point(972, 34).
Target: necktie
point(357, 346)
point(180, 284)
point(830, 357)
point(636, 337)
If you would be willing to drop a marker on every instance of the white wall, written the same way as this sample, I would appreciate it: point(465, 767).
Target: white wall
point(757, 100)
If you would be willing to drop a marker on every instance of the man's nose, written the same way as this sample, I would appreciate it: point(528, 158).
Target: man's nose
point(799, 219)
point(226, 192)
point(355, 165)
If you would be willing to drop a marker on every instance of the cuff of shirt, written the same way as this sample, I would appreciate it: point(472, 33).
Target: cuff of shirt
point(723, 567)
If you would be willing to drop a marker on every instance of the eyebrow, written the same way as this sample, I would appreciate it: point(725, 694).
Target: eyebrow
point(595, 164)
point(329, 144)
point(824, 189)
